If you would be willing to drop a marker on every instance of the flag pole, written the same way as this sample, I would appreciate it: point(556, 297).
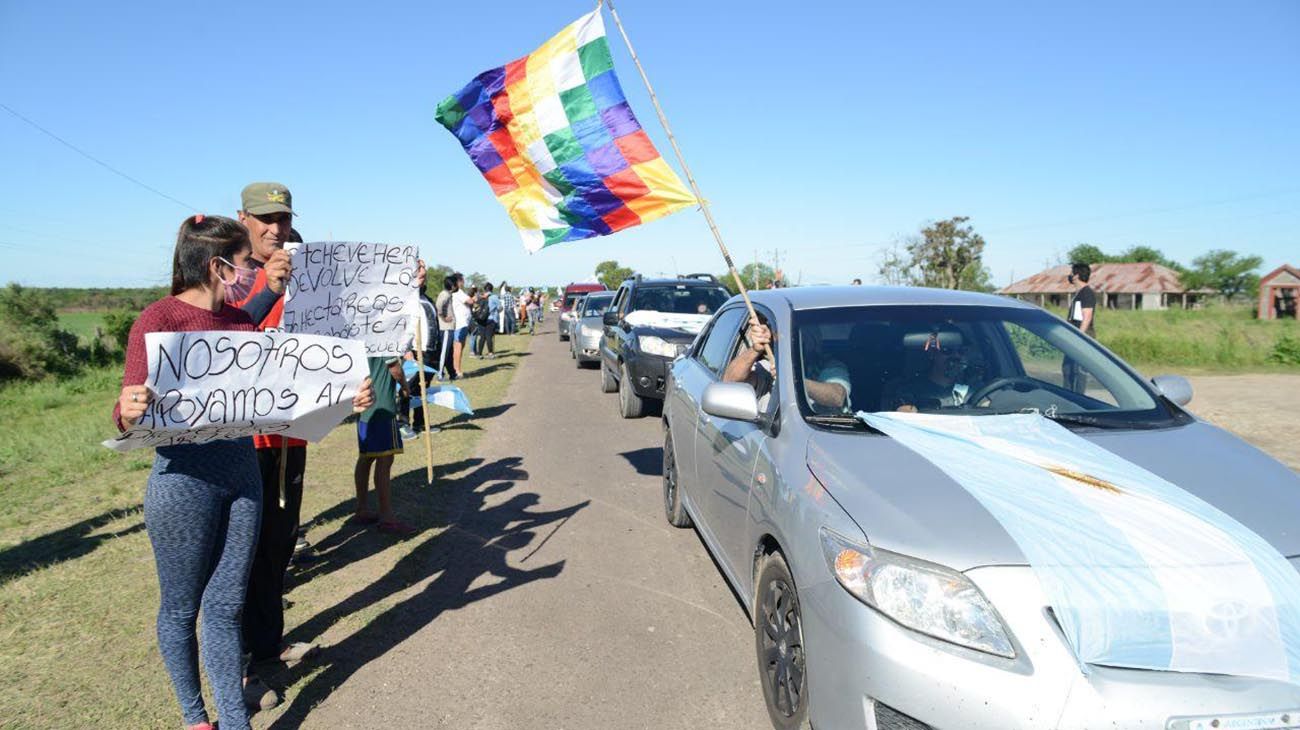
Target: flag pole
point(424, 401)
point(690, 178)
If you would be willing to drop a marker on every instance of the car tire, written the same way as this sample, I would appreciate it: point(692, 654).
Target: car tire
point(674, 510)
point(630, 405)
point(778, 642)
point(607, 382)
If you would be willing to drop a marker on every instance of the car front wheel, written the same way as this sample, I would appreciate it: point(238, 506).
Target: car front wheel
point(778, 639)
point(674, 510)
point(607, 382)
point(630, 405)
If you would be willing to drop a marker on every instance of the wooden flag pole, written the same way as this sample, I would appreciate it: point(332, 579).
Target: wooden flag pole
point(424, 401)
point(690, 178)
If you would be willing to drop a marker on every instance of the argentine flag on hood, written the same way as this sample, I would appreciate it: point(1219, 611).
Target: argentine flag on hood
point(1139, 572)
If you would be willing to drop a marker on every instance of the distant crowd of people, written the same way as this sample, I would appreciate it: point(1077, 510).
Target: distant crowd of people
point(223, 517)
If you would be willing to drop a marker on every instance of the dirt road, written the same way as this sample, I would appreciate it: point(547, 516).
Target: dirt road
point(559, 597)
point(1263, 409)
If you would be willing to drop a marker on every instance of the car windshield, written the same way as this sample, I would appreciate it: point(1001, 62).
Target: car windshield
point(596, 304)
point(964, 360)
point(571, 297)
point(679, 299)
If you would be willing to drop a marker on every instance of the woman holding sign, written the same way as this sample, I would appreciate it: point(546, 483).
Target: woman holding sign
point(203, 501)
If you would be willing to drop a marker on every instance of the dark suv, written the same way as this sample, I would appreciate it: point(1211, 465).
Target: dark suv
point(650, 322)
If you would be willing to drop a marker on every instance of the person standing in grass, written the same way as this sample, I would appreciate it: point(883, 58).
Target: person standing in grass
point(377, 442)
point(446, 323)
point(203, 502)
point(266, 210)
point(507, 315)
point(460, 302)
point(1082, 306)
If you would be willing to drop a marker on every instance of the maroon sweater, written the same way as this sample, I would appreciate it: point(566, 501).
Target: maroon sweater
point(172, 315)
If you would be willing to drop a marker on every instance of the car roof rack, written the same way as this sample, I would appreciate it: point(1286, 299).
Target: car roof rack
point(705, 277)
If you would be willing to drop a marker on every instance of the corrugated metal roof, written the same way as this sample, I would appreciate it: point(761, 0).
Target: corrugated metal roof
point(1111, 278)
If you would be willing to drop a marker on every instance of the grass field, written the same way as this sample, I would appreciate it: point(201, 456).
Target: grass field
point(81, 323)
point(77, 586)
point(1209, 340)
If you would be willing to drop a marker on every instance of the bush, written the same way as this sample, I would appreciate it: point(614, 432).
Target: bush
point(1286, 351)
point(117, 326)
point(32, 345)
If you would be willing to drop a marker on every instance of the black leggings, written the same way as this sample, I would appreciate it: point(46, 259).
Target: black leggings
point(486, 338)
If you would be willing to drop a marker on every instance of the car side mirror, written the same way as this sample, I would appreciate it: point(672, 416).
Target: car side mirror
point(734, 401)
point(610, 319)
point(1174, 387)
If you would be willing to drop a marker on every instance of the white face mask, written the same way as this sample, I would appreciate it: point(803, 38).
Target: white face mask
point(238, 289)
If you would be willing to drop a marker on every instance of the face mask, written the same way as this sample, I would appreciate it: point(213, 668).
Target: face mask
point(237, 290)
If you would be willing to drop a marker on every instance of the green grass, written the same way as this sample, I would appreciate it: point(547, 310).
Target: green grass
point(78, 593)
point(81, 323)
point(1210, 340)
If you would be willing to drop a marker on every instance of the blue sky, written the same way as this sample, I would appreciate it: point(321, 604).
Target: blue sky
point(825, 131)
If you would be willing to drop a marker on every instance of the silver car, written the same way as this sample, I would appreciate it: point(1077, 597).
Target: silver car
point(584, 344)
point(781, 486)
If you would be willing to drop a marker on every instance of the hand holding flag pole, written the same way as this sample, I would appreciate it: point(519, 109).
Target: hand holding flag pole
point(690, 177)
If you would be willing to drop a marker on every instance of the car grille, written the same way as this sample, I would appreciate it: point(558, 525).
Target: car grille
point(887, 718)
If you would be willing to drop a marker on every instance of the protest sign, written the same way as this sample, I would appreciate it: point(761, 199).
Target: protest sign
point(210, 386)
point(358, 291)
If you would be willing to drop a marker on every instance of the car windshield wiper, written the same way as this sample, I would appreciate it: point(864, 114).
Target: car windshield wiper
point(842, 421)
point(1083, 419)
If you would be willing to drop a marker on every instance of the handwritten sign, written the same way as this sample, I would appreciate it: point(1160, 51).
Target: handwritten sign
point(210, 386)
point(358, 291)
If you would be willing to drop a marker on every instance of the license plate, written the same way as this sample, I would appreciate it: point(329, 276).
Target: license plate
point(1259, 721)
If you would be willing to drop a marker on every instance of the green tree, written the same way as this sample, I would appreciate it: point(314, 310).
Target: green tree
point(611, 274)
point(476, 279)
point(1227, 272)
point(434, 276)
point(1086, 253)
point(756, 275)
point(948, 254)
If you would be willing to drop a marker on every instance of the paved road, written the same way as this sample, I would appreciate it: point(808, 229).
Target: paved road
point(566, 600)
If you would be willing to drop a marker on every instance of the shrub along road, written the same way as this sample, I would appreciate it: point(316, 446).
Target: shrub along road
point(557, 597)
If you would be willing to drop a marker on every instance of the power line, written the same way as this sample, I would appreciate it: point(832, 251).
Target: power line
point(96, 160)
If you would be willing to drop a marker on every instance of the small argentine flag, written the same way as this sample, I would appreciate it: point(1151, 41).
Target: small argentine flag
point(410, 369)
point(447, 396)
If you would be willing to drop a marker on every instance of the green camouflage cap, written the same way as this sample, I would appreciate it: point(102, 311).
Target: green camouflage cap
point(260, 198)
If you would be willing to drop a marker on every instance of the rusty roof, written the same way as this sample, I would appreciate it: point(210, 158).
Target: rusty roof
point(1111, 278)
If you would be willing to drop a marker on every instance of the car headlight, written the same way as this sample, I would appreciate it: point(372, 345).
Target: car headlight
point(922, 596)
point(656, 346)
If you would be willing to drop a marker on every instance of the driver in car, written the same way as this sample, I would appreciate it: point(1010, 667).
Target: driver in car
point(826, 380)
point(936, 385)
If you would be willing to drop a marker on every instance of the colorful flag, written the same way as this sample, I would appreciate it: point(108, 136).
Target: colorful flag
point(558, 143)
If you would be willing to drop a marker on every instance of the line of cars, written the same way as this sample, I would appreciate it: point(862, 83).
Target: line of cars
point(883, 595)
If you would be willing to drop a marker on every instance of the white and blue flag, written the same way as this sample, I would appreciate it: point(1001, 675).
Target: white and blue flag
point(1139, 572)
point(447, 396)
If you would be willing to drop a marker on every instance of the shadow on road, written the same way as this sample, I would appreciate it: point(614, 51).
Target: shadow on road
point(648, 461)
point(69, 543)
point(477, 540)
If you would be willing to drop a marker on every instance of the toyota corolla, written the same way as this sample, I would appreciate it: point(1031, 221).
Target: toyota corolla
point(890, 589)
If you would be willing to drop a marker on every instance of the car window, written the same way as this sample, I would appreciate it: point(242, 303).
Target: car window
point(595, 305)
point(716, 348)
point(679, 299)
point(620, 301)
point(963, 361)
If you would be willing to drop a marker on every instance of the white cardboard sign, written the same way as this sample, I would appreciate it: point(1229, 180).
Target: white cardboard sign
point(210, 386)
point(357, 291)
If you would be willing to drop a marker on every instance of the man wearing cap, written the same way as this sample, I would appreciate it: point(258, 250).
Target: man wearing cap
point(266, 210)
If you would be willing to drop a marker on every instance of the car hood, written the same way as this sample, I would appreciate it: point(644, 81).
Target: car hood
point(668, 334)
point(906, 504)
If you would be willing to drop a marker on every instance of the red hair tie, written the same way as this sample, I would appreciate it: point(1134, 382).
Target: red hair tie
point(198, 218)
